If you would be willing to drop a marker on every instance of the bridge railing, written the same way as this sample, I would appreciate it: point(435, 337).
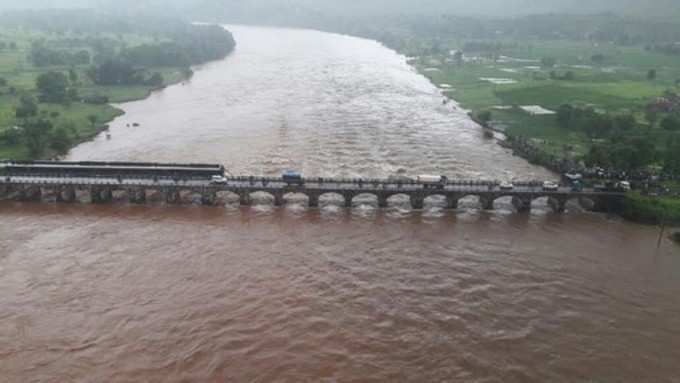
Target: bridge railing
point(365, 182)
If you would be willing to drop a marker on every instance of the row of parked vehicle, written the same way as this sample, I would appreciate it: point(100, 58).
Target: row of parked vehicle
point(428, 181)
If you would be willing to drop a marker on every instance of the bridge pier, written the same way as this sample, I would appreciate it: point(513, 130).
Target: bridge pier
point(486, 202)
point(82, 195)
point(172, 196)
point(209, 198)
point(349, 197)
point(279, 199)
point(244, 198)
point(452, 202)
point(558, 204)
point(101, 195)
point(382, 201)
point(4, 190)
point(523, 205)
point(66, 194)
point(417, 202)
point(48, 194)
point(137, 196)
point(32, 194)
point(15, 193)
point(313, 200)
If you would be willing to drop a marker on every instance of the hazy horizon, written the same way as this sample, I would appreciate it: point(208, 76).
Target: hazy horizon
point(256, 8)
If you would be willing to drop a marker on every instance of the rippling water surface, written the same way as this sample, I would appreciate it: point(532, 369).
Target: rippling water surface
point(188, 294)
point(325, 104)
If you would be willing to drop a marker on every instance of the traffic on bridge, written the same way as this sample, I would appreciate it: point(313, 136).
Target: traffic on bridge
point(136, 182)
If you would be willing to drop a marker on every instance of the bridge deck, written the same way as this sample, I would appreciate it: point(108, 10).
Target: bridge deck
point(101, 190)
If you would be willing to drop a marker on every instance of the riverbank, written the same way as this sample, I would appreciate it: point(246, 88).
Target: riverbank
point(522, 89)
point(652, 210)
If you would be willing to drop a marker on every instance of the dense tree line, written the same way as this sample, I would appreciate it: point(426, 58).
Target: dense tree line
point(36, 131)
point(42, 56)
point(180, 45)
point(8, 46)
point(195, 44)
point(621, 142)
point(593, 123)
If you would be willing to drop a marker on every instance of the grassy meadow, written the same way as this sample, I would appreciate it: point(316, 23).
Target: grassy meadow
point(20, 76)
point(616, 84)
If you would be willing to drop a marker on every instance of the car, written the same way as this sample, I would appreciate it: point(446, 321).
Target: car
point(623, 186)
point(550, 186)
point(505, 185)
point(218, 180)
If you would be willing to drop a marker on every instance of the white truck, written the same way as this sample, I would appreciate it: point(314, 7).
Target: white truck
point(430, 181)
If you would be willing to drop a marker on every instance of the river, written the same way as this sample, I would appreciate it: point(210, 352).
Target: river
point(189, 294)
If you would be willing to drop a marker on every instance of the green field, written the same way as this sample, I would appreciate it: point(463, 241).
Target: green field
point(618, 84)
point(20, 74)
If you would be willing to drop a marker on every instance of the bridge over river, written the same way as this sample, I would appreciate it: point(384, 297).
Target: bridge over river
point(153, 189)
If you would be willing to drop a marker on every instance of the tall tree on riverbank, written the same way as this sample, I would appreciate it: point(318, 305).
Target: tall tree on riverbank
point(52, 87)
point(27, 107)
point(36, 134)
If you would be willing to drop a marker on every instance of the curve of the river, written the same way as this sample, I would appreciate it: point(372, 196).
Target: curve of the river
point(125, 293)
point(324, 104)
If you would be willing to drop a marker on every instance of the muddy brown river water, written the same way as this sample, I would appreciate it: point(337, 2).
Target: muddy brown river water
point(189, 294)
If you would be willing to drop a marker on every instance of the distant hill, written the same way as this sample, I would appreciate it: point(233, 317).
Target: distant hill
point(309, 10)
point(488, 8)
point(268, 9)
point(48, 4)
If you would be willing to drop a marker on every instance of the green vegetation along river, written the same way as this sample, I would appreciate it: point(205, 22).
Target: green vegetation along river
point(61, 70)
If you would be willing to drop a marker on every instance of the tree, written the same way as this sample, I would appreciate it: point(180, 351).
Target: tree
point(484, 116)
point(548, 62)
point(27, 107)
point(60, 141)
point(569, 76)
point(598, 155)
point(52, 87)
point(93, 119)
point(72, 76)
point(671, 123)
point(115, 72)
point(35, 134)
point(563, 115)
point(671, 159)
point(156, 80)
point(651, 115)
point(651, 74)
point(624, 122)
point(72, 94)
point(13, 46)
point(3, 81)
point(597, 58)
